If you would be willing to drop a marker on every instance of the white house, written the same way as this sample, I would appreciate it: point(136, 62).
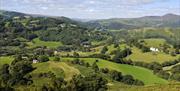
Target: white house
point(154, 49)
point(35, 61)
point(55, 52)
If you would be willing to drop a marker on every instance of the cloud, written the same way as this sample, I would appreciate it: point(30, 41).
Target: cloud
point(93, 8)
point(44, 8)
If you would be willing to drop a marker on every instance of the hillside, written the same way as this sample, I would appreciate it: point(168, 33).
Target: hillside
point(47, 53)
point(168, 20)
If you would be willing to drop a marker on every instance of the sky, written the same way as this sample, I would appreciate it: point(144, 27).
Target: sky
point(93, 9)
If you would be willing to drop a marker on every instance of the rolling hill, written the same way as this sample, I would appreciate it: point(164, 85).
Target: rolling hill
point(168, 20)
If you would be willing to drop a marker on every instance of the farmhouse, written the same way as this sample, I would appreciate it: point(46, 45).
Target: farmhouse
point(35, 61)
point(154, 49)
point(55, 52)
point(86, 44)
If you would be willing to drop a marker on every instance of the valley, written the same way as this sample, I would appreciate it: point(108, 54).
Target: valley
point(43, 53)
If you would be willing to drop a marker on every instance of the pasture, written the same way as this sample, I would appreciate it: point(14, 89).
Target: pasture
point(140, 73)
point(37, 42)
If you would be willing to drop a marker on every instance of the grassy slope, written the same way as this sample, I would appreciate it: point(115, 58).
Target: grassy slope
point(79, 52)
point(38, 42)
point(58, 68)
point(5, 60)
point(154, 42)
point(172, 86)
point(140, 73)
point(111, 47)
point(137, 55)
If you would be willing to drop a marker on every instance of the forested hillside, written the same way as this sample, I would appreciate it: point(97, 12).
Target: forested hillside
point(168, 20)
point(44, 53)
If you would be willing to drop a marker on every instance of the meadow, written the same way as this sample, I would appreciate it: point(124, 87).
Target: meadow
point(140, 73)
point(37, 42)
point(5, 60)
point(138, 55)
point(154, 42)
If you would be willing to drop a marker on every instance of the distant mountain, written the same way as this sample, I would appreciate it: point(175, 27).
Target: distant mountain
point(10, 14)
point(168, 20)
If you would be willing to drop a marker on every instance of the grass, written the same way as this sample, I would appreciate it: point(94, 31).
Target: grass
point(37, 42)
point(172, 86)
point(5, 60)
point(167, 68)
point(140, 73)
point(111, 47)
point(60, 69)
point(166, 87)
point(160, 57)
point(154, 42)
point(79, 52)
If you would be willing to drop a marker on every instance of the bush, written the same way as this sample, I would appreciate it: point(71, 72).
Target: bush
point(43, 58)
point(57, 58)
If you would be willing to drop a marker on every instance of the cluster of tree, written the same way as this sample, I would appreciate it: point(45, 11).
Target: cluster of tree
point(66, 48)
point(7, 52)
point(153, 66)
point(115, 75)
point(43, 51)
point(16, 73)
point(127, 79)
point(92, 82)
point(9, 42)
point(80, 62)
point(104, 50)
point(158, 69)
point(142, 46)
point(102, 56)
point(169, 63)
point(175, 73)
point(56, 58)
point(71, 34)
point(119, 55)
point(46, 75)
point(43, 58)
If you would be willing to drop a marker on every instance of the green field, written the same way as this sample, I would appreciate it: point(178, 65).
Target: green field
point(111, 47)
point(154, 42)
point(60, 69)
point(140, 73)
point(37, 42)
point(160, 57)
point(79, 52)
point(172, 86)
point(5, 60)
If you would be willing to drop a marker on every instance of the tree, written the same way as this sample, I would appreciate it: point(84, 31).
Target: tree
point(43, 58)
point(91, 82)
point(138, 82)
point(87, 64)
point(104, 50)
point(145, 49)
point(105, 70)
point(56, 58)
point(17, 72)
point(95, 67)
point(116, 45)
point(115, 75)
point(59, 84)
point(128, 79)
point(75, 54)
point(5, 75)
point(31, 36)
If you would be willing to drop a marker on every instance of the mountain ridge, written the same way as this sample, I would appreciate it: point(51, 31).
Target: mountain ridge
point(167, 20)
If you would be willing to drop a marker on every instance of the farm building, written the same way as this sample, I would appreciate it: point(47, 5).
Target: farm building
point(154, 49)
point(35, 61)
